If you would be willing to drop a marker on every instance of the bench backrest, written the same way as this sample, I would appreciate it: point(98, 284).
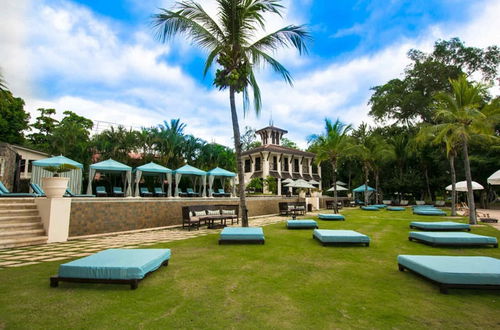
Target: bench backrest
point(187, 211)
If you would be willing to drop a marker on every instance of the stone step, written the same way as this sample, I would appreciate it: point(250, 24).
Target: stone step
point(18, 212)
point(15, 200)
point(16, 226)
point(24, 241)
point(20, 218)
point(11, 206)
point(21, 233)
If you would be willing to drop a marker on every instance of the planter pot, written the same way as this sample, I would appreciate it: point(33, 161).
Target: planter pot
point(55, 187)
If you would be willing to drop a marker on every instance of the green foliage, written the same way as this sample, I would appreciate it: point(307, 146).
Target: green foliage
point(256, 184)
point(272, 184)
point(44, 127)
point(13, 119)
point(60, 169)
point(289, 143)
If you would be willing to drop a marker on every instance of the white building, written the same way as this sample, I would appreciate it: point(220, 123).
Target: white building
point(273, 159)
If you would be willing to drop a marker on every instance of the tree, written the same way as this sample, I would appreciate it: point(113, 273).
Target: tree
point(331, 146)
point(116, 143)
point(248, 138)
point(13, 119)
point(3, 84)
point(44, 126)
point(229, 42)
point(170, 142)
point(463, 117)
point(289, 143)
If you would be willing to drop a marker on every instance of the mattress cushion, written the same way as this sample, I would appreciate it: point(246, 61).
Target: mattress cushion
point(395, 208)
point(340, 236)
point(121, 264)
point(331, 216)
point(440, 225)
point(305, 223)
point(456, 269)
point(369, 208)
point(242, 233)
point(453, 238)
point(428, 211)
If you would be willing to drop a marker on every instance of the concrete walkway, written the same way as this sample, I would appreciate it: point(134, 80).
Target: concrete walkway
point(31, 255)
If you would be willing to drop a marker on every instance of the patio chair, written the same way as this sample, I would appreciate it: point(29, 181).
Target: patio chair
point(69, 193)
point(4, 192)
point(118, 192)
point(159, 192)
point(100, 191)
point(37, 190)
point(144, 192)
point(191, 193)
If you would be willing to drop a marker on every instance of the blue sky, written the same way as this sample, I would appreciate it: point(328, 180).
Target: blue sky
point(101, 60)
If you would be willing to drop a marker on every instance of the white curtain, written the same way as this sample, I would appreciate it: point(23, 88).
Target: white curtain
point(75, 178)
point(138, 175)
point(91, 178)
point(210, 185)
point(178, 177)
point(169, 178)
point(128, 183)
point(204, 182)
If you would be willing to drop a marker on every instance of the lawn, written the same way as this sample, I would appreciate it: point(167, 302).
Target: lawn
point(290, 282)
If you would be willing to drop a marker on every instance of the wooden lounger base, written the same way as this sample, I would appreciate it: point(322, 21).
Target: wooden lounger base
point(134, 283)
point(434, 229)
point(302, 227)
point(443, 287)
point(340, 243)
point(451, 244)
point(241, 241)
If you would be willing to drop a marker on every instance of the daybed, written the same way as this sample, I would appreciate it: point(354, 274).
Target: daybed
point(113, 266)
point(396, 208)
point(454, 272)
point(242, 235)
point(429, 211)
point(301, 224)
point(452, 239)
point(370, 208)
point(331, 216)
point(338, 237)
point(440, 226)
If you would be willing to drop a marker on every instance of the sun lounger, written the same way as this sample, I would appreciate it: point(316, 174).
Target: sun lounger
point(339, 237)
point(301, 224)
point(37, 190)
point(452, 239)
point(396, 208)
point(100, 191)
point(159, 192)
point(191, 193)
point(454, 272)
point(370, 208)
point(429, 211)
point(331, 216)
point(144, 191)
point(380, 206)
point(4, 192)
point(118, 192)
point(440, 226)
point(242, 235)
point(69, 193)
point(113, 266)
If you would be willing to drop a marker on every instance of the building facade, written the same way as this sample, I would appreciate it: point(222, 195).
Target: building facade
point(273, 159)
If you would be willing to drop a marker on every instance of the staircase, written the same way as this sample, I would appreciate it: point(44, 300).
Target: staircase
point(20, 223)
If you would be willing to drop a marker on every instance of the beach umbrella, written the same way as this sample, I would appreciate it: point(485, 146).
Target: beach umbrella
point(340, 183)
point(313, 182)
point(362, 189)
point(462, 186)
point(287, 180)
point(494, 178)
point(339, 188)
point(300, 184)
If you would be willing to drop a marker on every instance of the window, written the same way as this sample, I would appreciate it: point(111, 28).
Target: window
point(274, 165)
point(248, 167)
point(305, 166)
point(257, 164)
point(296, 165)
point(315, 168)
point(22, 165)
point(30, 165)
point(285, 165)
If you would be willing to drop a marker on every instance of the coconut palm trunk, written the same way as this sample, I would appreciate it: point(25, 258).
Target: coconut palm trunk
point(366, 184)
point(453, 186)
point(335, 196)
point(239, 163)
point(377, 195)
point(470, 192)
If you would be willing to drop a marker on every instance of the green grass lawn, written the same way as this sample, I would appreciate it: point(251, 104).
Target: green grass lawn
point(290, 282)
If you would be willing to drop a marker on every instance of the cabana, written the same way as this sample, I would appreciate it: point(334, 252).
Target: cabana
point(153, 169)
point(75, 176)
point(190, 170)
point(111, 166)
point(222, 173)
point(362, 189)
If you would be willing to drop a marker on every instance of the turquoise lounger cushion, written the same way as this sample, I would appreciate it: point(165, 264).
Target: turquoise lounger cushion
point(305, 223)
point(429, 212)
point(453, 238)
point(369, 208)
point(116, 264)
point(380, 206)
point(245, 233)
point(455, 270)
point(340, 236)
point(395, 208)
point(330, 216)
point(440, 225)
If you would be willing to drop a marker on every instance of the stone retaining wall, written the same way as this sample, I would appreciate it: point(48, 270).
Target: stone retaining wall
point(91, 216)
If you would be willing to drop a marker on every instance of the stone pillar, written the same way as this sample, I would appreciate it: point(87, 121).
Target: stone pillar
point(320, 181)
point(265, 170)
point(55, 213)
point(279, 187)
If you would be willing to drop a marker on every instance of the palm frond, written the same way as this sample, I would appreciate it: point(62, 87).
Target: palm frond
point(289, 36)
point(258, 57)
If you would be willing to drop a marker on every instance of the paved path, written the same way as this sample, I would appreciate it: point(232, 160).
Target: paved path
point(30, 255)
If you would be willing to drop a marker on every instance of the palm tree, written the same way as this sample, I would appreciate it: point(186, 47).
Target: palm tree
point(463, 117)
point(331, 146)
point(229, 40)
point(3, 84)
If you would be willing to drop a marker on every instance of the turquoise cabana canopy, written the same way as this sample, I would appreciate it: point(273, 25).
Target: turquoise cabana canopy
point(220, 172)
point(75, 176)
point(111, 166)
point(189, 170)
point(362, 189)
point(153, 169)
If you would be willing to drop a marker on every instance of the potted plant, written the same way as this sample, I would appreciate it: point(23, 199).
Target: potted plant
point(56, 186)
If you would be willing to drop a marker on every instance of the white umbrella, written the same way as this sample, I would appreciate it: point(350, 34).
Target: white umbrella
point(287, 180)
point(341, 183)
point(339, 188)
point(313, 182)
point(494, 178)
point(462, 186)
point(300, 184)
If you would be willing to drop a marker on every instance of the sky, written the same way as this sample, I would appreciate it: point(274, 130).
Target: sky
point(101, 59)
